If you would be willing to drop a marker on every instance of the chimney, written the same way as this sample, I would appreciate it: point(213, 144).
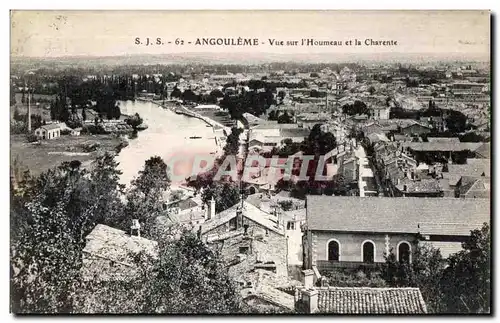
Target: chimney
point(310, 299)
point(239, 218)
point(135, 227)
point(211, 211)
point(308, 278)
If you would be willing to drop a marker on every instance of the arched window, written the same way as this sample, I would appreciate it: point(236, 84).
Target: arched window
point(368, 251)
point(333, 249)
point(404, 252)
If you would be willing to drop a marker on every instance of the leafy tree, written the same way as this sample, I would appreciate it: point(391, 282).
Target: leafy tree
point(17, 115)
point(145, 198)
point(176, 282)
point(285, 118)
point(12, 95)
point(53, 214)
point(225, 194)
point(134, 121)
point(286, 205)
point(319, 142)
point(176, 93)
point(423, 272)
point(58, 210)
point(233, 142)
point(466, 282)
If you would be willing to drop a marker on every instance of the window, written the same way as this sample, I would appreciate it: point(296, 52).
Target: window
point(243, 250)
point(333, 250)
point(368, 251)
point(290, 225)
point(404, 252)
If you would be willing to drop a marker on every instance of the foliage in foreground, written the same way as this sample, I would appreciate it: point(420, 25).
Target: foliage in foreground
point(52, 214)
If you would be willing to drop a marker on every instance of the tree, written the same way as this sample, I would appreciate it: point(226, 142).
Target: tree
point(423, 272)
point(56, 211)
point(233, 142)
point(12, 95)
point(176, 93)
point(17, 115)
point(176, 282)
point(146, 196)
point(53, 214)
point(286, 205)
point(466, 282)
point(285, 118)
point(134, 121)
point(319, 142)
point(225, 194)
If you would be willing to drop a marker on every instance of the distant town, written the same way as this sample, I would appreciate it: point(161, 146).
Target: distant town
point(371, 194)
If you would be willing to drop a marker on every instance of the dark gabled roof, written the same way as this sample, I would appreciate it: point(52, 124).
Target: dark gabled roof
point(51, 126)
point(472, 183)
point(430, 185)
point(474, 167)
point(440, 146)
point(446, 140)
point(392, 214)
point(364, 300)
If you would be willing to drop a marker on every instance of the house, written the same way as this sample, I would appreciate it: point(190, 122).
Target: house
point(415, 129)
point(355, 232)
point(49, 131)
point(108, 254)
point(76, 131)
point(247, 237)
point(473, 187)
point(379, 112)
point(428, 187)
point(189, 212)
point(483, 151)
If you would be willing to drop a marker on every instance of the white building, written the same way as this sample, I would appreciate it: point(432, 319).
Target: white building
point(49, 131)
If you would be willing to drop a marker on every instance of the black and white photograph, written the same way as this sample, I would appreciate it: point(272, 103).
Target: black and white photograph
point(250, 162)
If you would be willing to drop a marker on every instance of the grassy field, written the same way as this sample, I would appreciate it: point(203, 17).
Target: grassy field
point(51, 153)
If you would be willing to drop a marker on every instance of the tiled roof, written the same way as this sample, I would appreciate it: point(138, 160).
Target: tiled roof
point(390, 214)
point(249, 211)
point(420, 186)
point(109, 252)
point(361, 300)
point(440, 146)
point(51, 126)
point(474, 167)
point(448, 140)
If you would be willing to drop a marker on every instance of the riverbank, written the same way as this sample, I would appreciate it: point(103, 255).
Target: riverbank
point(180, 109)
point(51, 153)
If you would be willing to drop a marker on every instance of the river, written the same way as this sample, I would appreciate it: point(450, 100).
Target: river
point(167, 136)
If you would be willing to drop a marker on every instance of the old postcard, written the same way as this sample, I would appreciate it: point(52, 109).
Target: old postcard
point(256, 162)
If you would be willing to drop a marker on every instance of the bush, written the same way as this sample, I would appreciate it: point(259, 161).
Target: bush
point(345, 278)
point(31, 137)
point(65, 132)
point(17, 127)
point(286, 205)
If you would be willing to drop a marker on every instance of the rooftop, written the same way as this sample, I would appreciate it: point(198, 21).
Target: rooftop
point(109, 245)
point(442, 146)
point(361, 300)
point(389, 214)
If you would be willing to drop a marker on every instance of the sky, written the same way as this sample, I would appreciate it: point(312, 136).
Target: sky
point(110, 33)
